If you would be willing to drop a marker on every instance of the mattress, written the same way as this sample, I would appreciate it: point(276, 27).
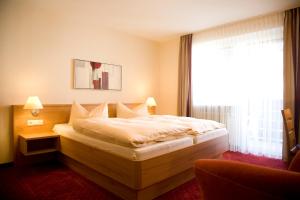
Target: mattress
point(137, 154)
point(210, 135)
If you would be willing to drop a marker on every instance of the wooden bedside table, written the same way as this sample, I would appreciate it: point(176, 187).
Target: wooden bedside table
point(38, 143)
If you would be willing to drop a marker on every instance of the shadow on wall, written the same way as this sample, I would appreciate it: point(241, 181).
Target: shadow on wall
point(6, 134)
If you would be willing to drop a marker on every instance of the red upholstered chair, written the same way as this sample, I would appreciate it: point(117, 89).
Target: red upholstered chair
point(224, 179)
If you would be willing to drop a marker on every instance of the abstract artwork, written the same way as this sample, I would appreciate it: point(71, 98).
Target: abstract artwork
point(97, 75)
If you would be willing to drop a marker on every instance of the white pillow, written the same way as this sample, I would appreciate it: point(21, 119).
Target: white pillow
point(125, 112)
point(141, 109)
point(78, 111)
point(100, 111)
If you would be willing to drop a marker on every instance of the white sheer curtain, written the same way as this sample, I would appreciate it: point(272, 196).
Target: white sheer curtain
point(237, 79)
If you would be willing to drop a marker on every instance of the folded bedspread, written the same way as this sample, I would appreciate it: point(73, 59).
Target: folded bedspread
point(142, 131)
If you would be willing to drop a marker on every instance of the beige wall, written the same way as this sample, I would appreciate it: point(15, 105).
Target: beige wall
point(168, 82)
point(37, 45)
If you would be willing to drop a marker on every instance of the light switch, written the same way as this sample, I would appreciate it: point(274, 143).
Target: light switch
point(35, 122)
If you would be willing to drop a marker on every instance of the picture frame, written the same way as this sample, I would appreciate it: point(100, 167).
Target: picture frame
point(97, 75)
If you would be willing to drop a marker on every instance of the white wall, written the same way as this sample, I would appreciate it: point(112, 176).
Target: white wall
point(168, 82)
point(37, 45)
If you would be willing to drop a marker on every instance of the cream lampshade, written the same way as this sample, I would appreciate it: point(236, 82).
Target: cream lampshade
point(34, 104)
point(151, 102)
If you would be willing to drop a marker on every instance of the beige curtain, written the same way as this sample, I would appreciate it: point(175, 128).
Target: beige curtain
point(291, 67)
point(184, 76)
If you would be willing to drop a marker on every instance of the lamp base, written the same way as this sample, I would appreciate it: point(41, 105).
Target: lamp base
point(151, 110)
point(35, 112)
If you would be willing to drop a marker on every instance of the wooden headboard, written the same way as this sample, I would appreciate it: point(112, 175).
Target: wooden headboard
point(51, 114)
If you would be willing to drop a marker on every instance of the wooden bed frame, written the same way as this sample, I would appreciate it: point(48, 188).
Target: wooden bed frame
point(127, 179)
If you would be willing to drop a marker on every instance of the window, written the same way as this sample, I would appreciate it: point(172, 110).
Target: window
point(237, 79)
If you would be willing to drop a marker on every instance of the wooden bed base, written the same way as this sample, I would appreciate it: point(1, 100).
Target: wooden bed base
point(122, 190)
point(144, 179)
point(127, 179)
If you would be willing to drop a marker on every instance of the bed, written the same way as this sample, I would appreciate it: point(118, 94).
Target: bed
point(139, 173)
point(135, 154)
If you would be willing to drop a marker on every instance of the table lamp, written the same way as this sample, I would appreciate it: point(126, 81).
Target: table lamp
point(151, 103)
point(34, 104)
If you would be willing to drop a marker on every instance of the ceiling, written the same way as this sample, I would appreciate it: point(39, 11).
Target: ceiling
point(160, 20)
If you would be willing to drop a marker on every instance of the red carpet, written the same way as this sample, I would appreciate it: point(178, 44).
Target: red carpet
point(57, 182)
point(257, 160)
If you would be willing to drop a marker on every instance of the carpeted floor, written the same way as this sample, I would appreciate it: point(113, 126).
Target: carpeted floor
point(57, 182)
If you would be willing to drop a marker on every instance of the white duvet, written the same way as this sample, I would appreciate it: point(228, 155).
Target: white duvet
point(141, 131)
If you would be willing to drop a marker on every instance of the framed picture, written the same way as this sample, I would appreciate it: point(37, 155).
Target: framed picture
point(97, 75)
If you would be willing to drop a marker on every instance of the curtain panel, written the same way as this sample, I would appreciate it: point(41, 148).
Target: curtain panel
point(184, 76)
point(292, 64)
point(237, 79)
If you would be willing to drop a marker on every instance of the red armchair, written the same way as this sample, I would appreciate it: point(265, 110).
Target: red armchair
point(221, 179)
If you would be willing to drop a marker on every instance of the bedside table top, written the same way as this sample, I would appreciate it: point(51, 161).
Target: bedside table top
point(41, 135)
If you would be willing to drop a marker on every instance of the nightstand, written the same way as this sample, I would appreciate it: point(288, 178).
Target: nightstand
point(38, 143)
